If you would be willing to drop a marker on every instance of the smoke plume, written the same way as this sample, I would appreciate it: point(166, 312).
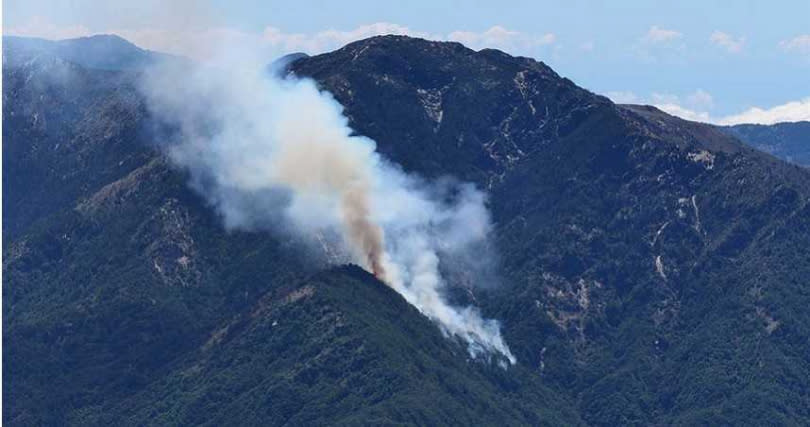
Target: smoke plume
point(273, 153)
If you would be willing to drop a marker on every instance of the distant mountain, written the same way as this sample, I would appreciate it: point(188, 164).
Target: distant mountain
point(788, 141)
point(103, 52)
point(655, 270)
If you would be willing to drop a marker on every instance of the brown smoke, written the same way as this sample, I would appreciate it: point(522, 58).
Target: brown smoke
point(315, 159)
point(246, 135)
point(366, 236)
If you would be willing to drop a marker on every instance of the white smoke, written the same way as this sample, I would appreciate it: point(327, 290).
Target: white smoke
point(272, 153)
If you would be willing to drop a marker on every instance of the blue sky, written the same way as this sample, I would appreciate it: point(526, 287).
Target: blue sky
point(721, 61)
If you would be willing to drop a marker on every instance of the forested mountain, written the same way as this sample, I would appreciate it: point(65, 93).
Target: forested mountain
point(789, 141)
point(651, 270)
point(102, 52)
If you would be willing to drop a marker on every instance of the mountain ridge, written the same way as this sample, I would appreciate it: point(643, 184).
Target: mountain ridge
point(100, 51)
point(653, 268)
point(789, 140)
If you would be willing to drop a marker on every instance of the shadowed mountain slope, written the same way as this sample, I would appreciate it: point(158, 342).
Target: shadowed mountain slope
point(788, 141)
point(653, 270)
point(102, 52)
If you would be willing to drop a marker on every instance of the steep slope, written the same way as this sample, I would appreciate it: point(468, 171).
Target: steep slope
point(439, 108)
point(338, 348)
point(654, 270)
point(100, 298)
point(112, 267)
point(619, 229)
point(117, 276)
point(67, 132)
point(788, 141)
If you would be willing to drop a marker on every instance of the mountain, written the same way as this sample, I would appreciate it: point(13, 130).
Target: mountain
point(119, 281)
point(620, 229)
point(654, 270)
point(103, 52)
point(788, 141)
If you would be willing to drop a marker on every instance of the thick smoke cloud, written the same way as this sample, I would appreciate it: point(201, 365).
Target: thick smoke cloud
point(279, 154)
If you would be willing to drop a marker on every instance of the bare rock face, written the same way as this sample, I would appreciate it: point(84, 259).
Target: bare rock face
point(173, 252)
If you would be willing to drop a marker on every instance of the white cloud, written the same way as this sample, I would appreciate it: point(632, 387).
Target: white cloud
point(697, 106)
point(501, 38)
point(684, 113)
point(727, 41)
point(700, 99)
point(794, 111)
point(202, 44)
point(197, 44)
point(495, 37)
point(799, 44)
point(660, 35)
point(664, 98)
point(660, 45)
point(332, 39)
point(624, 97)
point(587, 46)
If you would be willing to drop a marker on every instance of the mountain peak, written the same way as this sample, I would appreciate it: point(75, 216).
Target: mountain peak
point(101, 51)
point(102, 43)
point(644, 259)
point(431, 88)
point(103, 38)
point(403, 43)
